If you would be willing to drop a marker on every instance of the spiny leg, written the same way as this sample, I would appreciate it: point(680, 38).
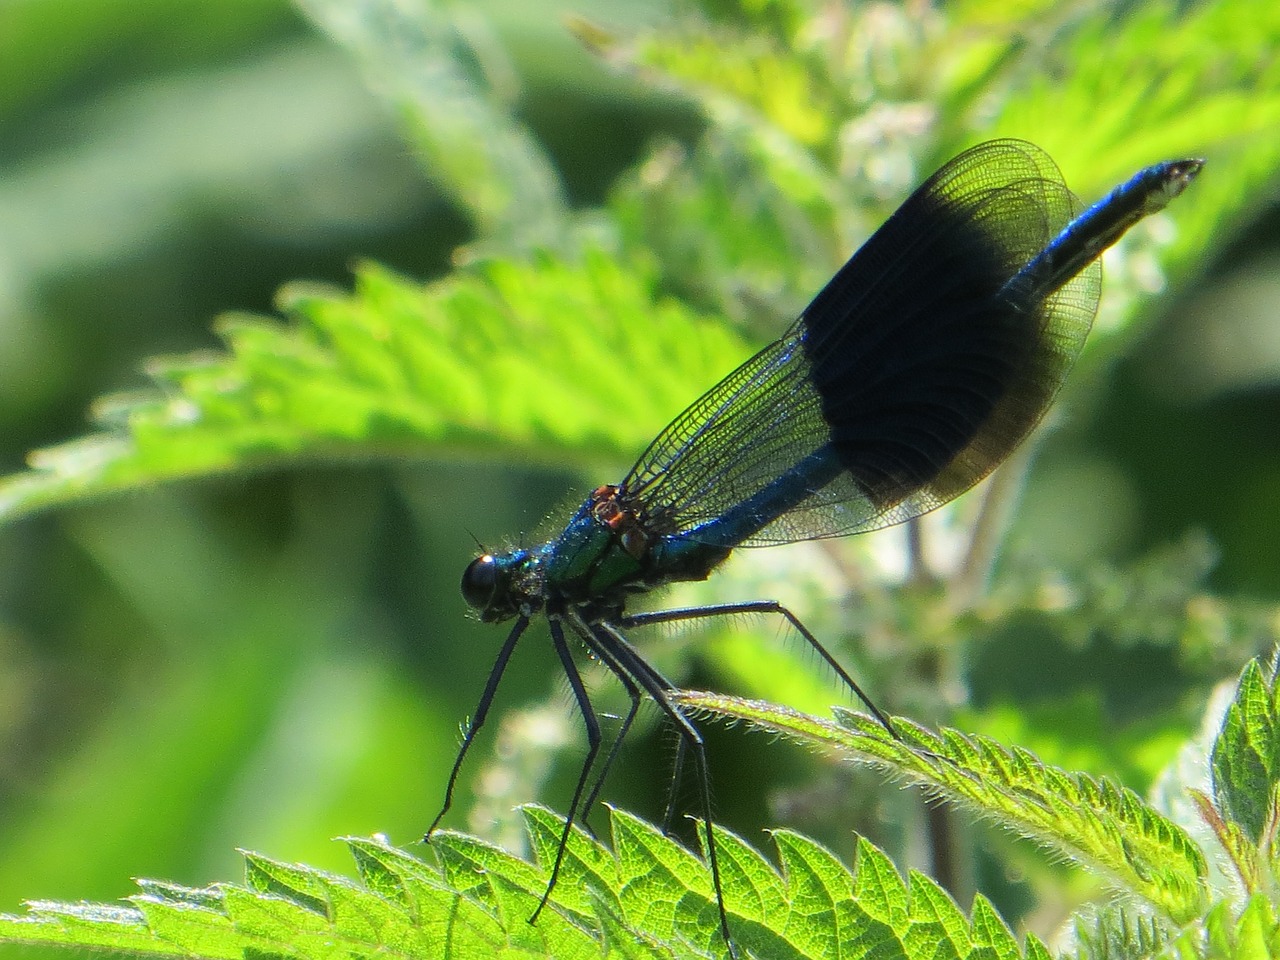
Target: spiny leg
point(593, 748)
point(602, 653)
point(673, 795)
point(601, 649)
point(762, 606)
point(773, 606)
point(478, 718)
point(633, 692)
point(658, 687)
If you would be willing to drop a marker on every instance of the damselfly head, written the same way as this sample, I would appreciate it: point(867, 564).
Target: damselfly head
point(487, 585)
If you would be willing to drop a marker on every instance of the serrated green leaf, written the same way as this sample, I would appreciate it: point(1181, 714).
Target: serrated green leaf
point(272, 920)
point(1252, 934)
point(749, 880)
point(197, 931)
point(161, 892)
point(586, 867)
point(878, 888)
point(766, 78)
point(287, 881)
point(388, 872)
point(1246, 756)
point(1091, 820)
point(508, 357)
point(939, 920)
point(649, 898)
point(1035, 950)
point(1119, 931)
point(451, 86)
point(513, 890)
point(990, 931)
point(627, 943)
point(814, 885)
point(663, 887)
point(1241, 850)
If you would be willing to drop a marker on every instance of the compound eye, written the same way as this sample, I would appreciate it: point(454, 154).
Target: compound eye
point(479, 581)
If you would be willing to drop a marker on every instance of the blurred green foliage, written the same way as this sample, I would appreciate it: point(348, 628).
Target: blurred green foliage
point(271, 659)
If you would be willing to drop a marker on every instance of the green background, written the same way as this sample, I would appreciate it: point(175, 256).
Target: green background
point(271, 661)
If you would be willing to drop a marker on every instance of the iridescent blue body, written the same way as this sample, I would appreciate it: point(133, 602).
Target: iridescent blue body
point(915, 371)
point(591, 566)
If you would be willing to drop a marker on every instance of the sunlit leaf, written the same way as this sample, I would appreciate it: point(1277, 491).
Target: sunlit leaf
point(1102, 825)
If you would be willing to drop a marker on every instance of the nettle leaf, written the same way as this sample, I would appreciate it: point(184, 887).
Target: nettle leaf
point(821, 119)
point(727, 232)
point(1246, 757)
point(1251, 934)
point(545, 360)
point(813, 906)
point(646, 898)
point(1241, 850)
point(1152, 65)
point(1119, 931)
point(1094, 821)
point(780, 188)
point(449, 81)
